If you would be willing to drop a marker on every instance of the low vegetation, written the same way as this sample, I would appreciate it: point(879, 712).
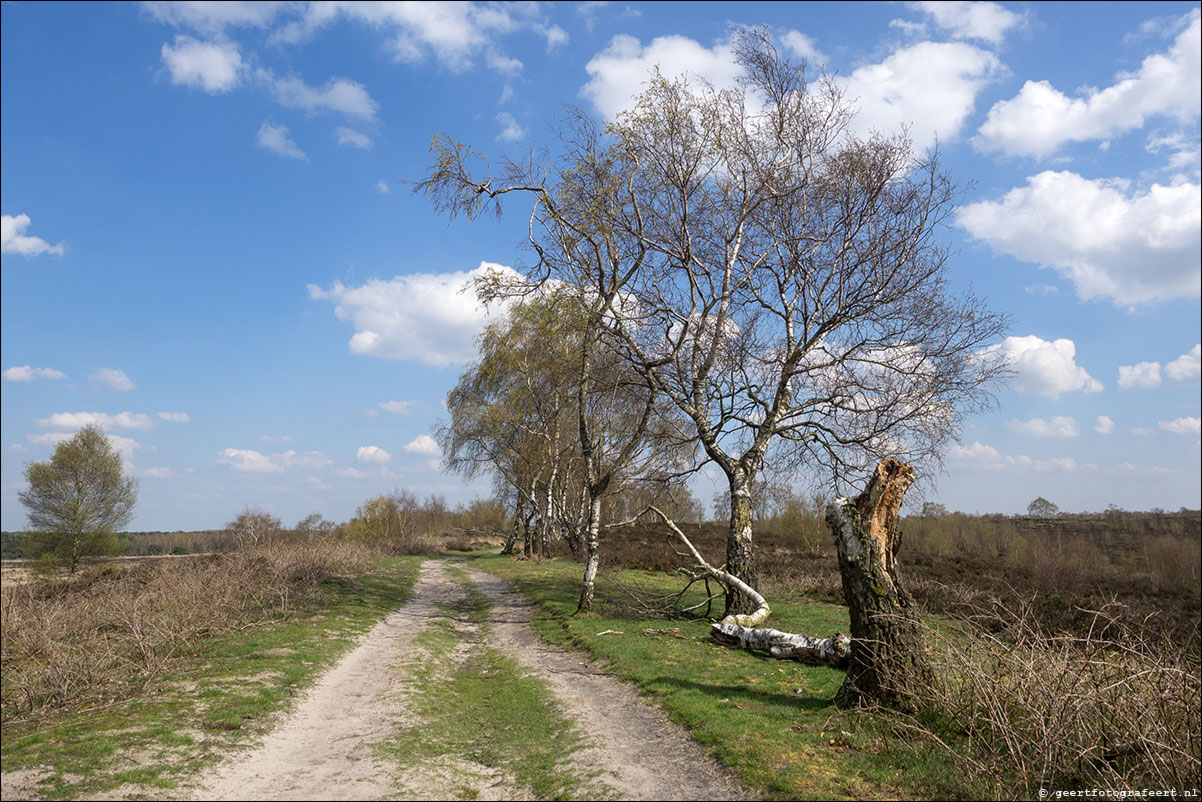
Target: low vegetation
point(1016, 709)
point(145, 734)
point(1144, 567)
point(1066, 649)
point(112, 631)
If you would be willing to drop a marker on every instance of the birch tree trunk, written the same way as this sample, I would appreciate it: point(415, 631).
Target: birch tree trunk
point(740, 557)
point(511, 542)
point(888, 663)
point(593, 559)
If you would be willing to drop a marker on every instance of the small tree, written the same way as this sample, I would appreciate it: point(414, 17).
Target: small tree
point(252, 527)
point(931, 509)
point(79, 500)
point(1042, 508)
point(315, 525)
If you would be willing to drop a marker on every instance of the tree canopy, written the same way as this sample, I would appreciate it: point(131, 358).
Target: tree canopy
point(79, 499)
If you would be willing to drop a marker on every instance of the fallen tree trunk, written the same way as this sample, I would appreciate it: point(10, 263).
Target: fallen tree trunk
point(888, 663)
point(753, 619)
point(744, 631)
point(785, 645)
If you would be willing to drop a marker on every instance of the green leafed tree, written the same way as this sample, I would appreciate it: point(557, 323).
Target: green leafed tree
point(1042, 508)
point(79, 499)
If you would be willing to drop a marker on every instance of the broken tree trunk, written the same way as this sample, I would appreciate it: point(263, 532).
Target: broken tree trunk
point(888, 663)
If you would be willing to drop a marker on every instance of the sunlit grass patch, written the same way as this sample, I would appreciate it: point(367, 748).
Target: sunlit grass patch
point(773, 723)
point(477, 718)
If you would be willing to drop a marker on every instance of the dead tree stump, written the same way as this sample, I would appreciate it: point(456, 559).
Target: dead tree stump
point(888, 663)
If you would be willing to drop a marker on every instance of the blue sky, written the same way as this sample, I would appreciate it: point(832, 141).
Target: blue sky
point(208, 247)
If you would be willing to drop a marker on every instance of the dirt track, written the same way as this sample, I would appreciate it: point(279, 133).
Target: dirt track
point(323, 749)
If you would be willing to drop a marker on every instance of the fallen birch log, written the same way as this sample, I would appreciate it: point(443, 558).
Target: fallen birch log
point(785, 645)
point(745, 632)
point(753, 619)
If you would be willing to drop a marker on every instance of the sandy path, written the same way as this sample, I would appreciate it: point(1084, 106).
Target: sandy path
point(323, 749)
point(638, 752)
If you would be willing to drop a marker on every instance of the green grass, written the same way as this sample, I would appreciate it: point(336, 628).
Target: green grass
point(481, 713)
point(773, 723)
point(186, 720)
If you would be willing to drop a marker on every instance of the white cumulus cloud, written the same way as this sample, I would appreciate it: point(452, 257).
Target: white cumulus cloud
point(25, 373)
point(338, 95)
point(113, 378)
point(510, 130)
point(453, 34)
point(1185, 367)
point(275, 138)
point(619, 72)
point(1182, 426)
point(76, 420)
point(1143, 374)
point(1104, 425)
point(125, 446)
point(212, 17)
point(1058, 426)
point(372, 454)
point(174, 417)
point(931, 87)
point(212, 66)
point(432, 318)
point(979, 456)
point(14, 240)
point(984, 21)
point(1044, 368)
point(423, 444)
point(1131, 247)
point(803, 47)
point(399, 407)
point(1041, 118)
point(249, 461)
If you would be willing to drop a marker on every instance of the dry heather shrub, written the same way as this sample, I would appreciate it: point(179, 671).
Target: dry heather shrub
point(1028, 711)
point(103, 634)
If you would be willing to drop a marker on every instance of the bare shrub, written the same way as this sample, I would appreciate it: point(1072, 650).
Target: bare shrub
point(104, 634)
point(1175, 563)
point(1021, 710)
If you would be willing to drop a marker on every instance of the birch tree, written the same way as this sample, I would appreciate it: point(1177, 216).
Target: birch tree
point(776, 277)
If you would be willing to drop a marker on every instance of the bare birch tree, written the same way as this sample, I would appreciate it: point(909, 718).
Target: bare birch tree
point(775, 276)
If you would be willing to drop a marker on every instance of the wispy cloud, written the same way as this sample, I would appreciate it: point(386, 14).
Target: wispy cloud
point(350, 138)
point(275, 138)
point(77, 420)
point(25, 373)
point(112, 378)
point(250, 461)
